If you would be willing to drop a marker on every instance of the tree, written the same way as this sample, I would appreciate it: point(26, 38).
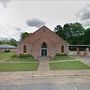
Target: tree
point(12, 42)
point(67, 31)
point(72, 32)
point(0, 42)
point(77, 32)
point(9, 41)
point(24, 35)
point(59, 31)
point(76, 29)
point(87, 36)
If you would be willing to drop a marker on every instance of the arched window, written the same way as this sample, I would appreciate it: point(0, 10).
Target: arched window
point(24, 49)
point(44, 45)
point(62, 49)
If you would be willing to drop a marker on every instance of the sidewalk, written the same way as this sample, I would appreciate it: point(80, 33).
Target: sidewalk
point(32, 74)
point(61, 76)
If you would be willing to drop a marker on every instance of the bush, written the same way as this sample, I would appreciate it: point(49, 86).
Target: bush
point(7, 50)
point(13, 56)
point(61, 54)
point(24, 55)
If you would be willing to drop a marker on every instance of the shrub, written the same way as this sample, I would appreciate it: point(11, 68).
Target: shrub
point(13, 56)
point(7, 50)
point(61, 54)
point(24, 55)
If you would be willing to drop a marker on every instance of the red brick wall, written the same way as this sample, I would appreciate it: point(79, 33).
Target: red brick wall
point(35, 41)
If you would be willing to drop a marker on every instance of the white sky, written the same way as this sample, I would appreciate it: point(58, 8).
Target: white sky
point(51, 12)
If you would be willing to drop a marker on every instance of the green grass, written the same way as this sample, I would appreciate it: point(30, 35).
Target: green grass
point(17, 64)
point(70, 65)
point(4, 55)
point(57, 58)
point(18, 67)
point(16, 59)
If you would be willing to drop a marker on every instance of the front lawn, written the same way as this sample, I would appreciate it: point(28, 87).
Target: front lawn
point(16, 63)
point(69, 65)
point(9, 58)
point(17, 59)
point(4, 55)
point(18, 67)
point(57, 58)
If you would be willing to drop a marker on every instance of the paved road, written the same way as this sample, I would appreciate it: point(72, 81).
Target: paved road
point(46, 86)
point(47, 83)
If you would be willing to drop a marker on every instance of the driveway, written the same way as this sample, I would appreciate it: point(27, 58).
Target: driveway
point(85, 60)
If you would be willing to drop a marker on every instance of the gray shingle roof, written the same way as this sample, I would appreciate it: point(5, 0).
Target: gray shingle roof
point(6, 46)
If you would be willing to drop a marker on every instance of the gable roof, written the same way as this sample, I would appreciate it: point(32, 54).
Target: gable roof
point(6, 46)
point(32, 38)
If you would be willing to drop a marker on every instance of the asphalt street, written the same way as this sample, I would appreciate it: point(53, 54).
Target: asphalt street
point(57, 83)
point(46, 86)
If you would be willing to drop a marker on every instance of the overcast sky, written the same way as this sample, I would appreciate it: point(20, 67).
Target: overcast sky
point(15, 16)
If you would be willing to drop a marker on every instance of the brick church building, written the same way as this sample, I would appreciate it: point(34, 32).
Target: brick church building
point(42, 42)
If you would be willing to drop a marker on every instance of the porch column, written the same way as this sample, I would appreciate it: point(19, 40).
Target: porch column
point(78, 51)
point(87, 52)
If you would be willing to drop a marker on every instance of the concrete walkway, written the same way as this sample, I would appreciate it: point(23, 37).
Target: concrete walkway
point(62, 61)
point(43, 64)
point(4, 59)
